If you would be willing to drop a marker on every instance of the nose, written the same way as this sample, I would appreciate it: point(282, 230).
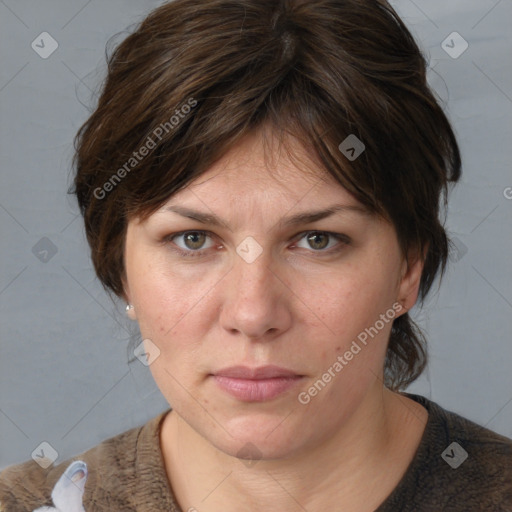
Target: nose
point(256, 300)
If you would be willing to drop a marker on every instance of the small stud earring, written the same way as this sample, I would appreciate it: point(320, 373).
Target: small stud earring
point(129, 306)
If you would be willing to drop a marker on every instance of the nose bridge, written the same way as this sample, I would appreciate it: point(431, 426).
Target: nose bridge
point(252, 302)
point(253, 275)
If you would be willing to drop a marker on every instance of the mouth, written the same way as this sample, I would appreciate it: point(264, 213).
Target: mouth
point(256, 384)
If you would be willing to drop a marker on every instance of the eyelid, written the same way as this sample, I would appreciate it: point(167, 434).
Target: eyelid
point(170, 239)
point(340, 237)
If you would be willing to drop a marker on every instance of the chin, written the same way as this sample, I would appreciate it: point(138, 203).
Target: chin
point(250, 450)
point(253, 437)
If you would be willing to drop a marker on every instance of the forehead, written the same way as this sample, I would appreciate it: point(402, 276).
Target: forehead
point(261, 169)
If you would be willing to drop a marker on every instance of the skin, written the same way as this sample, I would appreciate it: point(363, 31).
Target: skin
point(295, 306)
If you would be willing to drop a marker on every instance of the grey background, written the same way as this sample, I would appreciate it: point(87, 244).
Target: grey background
point(64, 376)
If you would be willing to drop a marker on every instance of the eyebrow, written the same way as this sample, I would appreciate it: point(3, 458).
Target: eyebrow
point(301, 218)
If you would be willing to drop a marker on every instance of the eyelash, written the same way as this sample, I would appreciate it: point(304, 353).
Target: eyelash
point(344, 239)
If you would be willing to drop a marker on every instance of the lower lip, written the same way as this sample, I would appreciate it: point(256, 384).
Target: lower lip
point(252, 390)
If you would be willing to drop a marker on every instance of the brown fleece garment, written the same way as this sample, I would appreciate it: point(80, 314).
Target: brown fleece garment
point(127, 473)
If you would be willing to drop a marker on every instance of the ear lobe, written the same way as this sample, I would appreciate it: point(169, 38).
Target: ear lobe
point(130, 312)
point(125, 294)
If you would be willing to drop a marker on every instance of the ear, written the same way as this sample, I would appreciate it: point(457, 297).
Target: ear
point(126, 298)
point(131, 313)
point(412, 269)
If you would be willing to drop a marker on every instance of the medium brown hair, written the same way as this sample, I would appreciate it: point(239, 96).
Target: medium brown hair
point(196, 77)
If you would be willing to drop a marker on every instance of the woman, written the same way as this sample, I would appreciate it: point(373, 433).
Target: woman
point(261, 182)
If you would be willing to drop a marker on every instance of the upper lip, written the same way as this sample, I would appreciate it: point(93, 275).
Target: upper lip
point(262, 372)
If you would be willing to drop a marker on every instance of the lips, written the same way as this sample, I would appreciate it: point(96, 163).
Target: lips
point(256, 384)
point(262, 372)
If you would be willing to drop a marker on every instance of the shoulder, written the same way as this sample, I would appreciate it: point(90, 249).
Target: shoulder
point(486, 451)
point(459, 465)
point(103, 474)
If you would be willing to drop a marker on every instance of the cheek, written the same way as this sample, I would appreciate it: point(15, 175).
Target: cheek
point(351, 300)
point(350, 310)
point(172, 312)
point(173, 308)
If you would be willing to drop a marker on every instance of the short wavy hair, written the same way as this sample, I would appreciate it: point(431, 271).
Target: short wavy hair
point(195, 77)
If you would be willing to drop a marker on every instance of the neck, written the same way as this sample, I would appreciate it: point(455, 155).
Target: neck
point(359, 465)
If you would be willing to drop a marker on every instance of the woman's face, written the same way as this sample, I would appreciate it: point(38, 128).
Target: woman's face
point(257, 290)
